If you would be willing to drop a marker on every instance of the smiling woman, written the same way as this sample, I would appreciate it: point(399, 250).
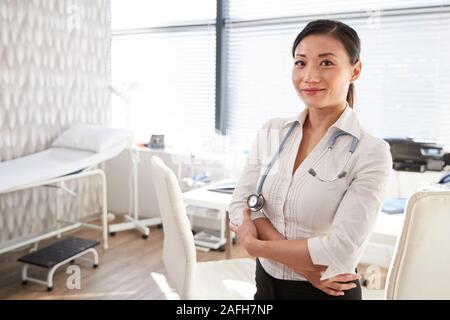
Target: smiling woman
point(311, 228)
point(339, 66)
point(326, 63)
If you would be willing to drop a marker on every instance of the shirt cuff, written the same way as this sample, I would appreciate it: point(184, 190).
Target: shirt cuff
point(235, 215)
point(317, 252)
point(256, 215)
point(319, 256)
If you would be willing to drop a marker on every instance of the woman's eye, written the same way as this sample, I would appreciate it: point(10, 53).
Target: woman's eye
point(326, 63)
point(299, 63)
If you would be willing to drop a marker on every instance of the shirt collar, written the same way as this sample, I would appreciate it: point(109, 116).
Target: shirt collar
point(348, 121)
point(300, 118)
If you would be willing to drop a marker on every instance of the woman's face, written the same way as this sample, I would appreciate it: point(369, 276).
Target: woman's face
point(322, 71)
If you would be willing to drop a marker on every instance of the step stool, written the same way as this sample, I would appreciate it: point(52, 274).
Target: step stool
point(57, 254)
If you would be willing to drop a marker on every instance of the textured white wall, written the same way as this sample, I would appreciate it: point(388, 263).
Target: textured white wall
point(54, 71)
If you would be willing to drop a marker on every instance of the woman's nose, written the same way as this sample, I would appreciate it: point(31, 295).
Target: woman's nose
point(311, 75)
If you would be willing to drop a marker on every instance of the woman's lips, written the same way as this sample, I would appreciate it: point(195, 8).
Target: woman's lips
point(312, 91)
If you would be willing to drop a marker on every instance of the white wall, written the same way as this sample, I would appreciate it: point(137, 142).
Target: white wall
point(55, 71)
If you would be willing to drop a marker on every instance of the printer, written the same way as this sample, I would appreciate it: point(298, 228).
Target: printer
point(409, 154)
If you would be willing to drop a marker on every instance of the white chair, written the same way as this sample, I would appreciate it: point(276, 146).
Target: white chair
point(221, 280)
point(419, 269)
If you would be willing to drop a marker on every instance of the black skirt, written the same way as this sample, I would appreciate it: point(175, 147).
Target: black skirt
point(270, 288)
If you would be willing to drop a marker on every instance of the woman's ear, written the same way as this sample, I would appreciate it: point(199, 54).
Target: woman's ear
point(356, 72)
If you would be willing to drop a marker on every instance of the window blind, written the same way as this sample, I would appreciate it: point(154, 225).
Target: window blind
point(171, 76)
point(133, 14)
point(405, 83)
point(239, 10)
point(163, 66)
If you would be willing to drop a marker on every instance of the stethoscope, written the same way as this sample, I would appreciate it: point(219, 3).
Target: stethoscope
point(256, 200)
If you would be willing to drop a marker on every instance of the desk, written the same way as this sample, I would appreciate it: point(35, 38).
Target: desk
point(202, 197)
point(382, 241)
point(381, 246)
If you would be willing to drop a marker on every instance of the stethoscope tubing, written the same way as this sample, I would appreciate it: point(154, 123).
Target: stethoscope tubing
point(331, 144)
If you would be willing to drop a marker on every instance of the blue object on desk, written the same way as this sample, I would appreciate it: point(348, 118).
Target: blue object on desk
point(394, 205)
point(202, 176)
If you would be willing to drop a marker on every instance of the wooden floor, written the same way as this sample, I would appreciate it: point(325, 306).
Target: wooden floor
point(131, 268)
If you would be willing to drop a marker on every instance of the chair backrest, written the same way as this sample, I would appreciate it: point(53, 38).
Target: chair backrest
point(179, 254)
point(419, 269)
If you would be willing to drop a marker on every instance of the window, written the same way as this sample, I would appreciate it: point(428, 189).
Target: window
point(242, 10)
point(135, 14)
point(164, 58)
point(165, 74)
point(405, 85)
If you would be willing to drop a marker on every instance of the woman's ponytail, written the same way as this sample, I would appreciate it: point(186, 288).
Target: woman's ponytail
point(351, 95)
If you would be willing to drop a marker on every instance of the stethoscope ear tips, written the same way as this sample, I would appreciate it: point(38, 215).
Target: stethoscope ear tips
point(340, 175)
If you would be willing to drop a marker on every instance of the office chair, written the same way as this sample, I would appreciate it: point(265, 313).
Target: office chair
point(213, 280)
point(419, 269)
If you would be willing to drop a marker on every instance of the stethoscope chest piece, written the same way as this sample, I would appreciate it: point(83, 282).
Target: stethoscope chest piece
point(255, 202)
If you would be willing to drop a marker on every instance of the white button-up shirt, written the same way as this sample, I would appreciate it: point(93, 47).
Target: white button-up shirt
point(336, 217)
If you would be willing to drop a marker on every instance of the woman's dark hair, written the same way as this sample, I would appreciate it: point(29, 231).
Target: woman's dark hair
point(342, 32)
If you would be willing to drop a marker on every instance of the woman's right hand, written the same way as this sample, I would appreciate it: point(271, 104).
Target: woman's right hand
point(332, 286)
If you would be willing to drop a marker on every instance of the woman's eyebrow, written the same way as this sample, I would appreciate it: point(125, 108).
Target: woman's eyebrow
point(326, 54)
point(320, 54)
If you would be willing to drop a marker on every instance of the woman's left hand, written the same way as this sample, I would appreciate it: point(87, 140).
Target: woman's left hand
point(335, 286)
point(246, 233)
